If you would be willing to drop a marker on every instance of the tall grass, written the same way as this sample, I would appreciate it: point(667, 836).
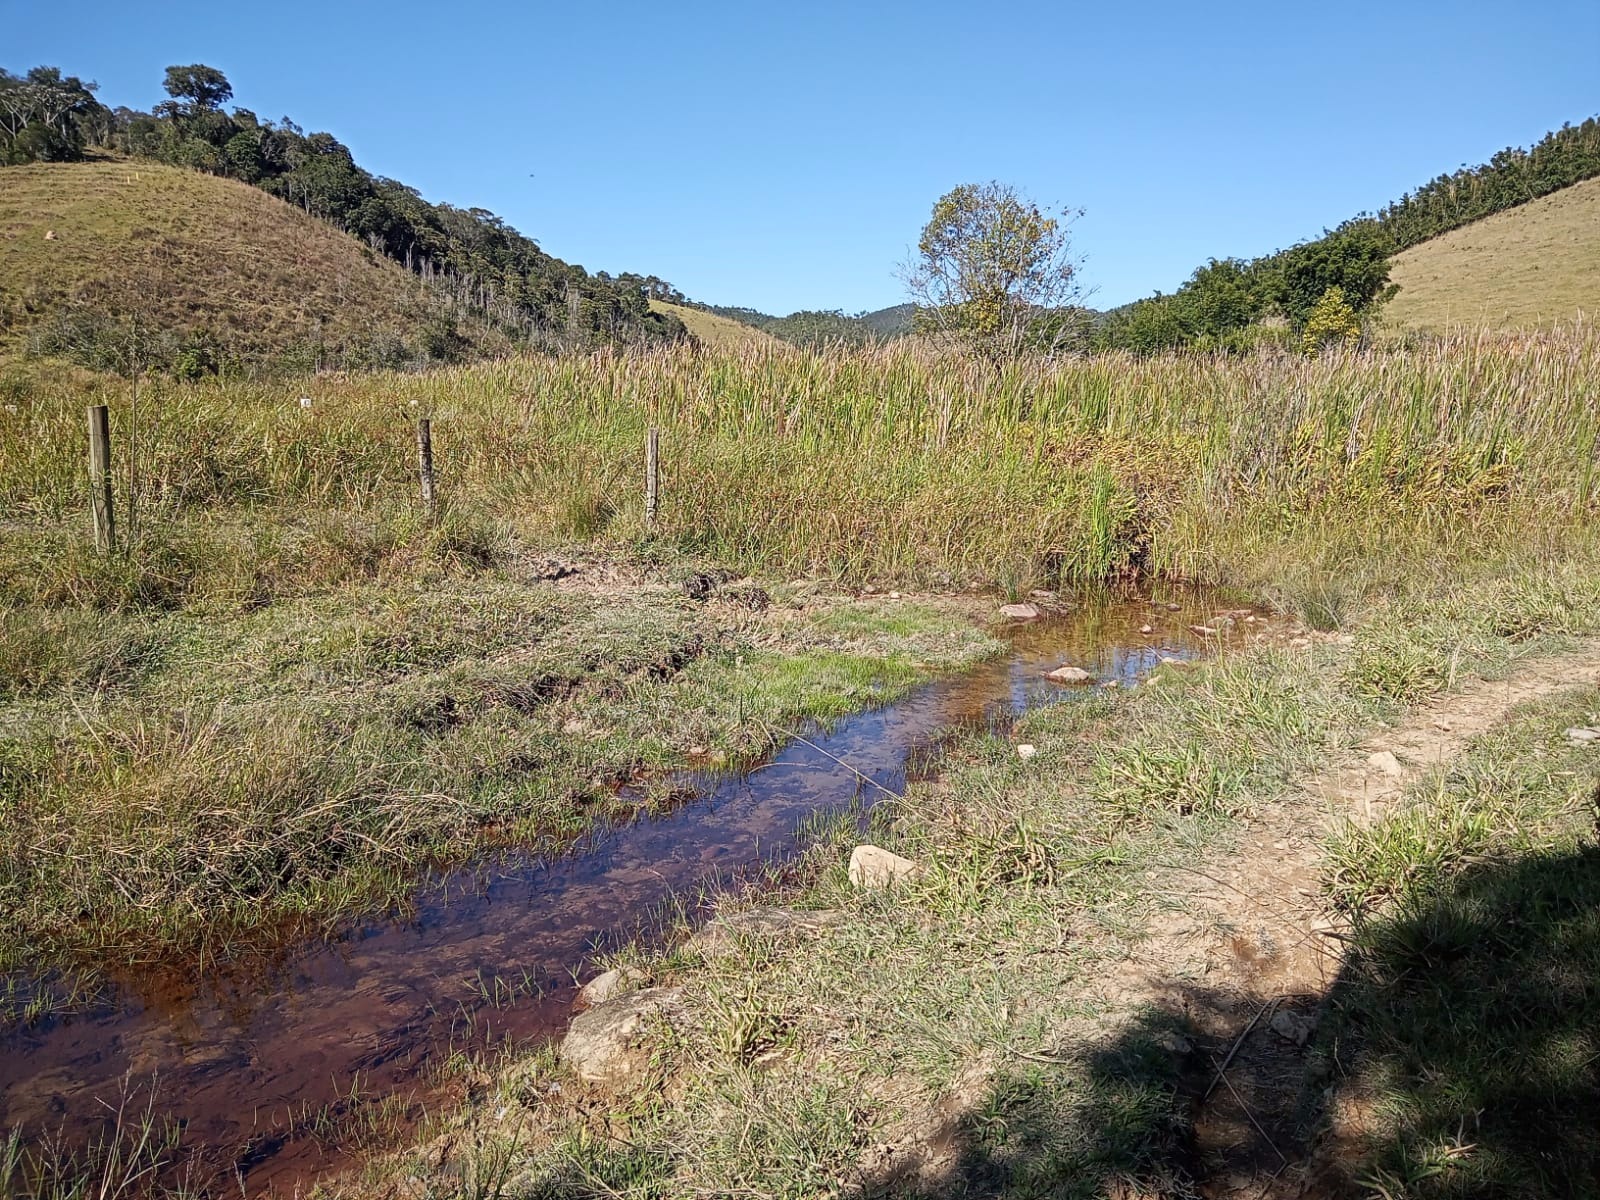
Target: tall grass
point(895, 463)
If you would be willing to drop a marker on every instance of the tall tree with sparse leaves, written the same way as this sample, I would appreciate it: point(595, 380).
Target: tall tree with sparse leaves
point(993, 271)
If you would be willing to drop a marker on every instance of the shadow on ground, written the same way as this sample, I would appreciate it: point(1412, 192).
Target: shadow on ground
point(1457, 1054)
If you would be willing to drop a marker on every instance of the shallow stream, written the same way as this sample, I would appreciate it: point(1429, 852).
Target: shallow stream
point(246, 1058)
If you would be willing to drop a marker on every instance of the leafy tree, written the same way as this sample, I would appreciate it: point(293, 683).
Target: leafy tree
point(991, 266)
point(1332, 320)
point(197, 89)
point(46, 116)
point(1354, 259)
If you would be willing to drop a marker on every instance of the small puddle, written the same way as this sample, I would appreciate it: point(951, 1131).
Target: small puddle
point(245, 1058)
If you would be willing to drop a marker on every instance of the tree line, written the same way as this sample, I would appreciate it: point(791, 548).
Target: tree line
point(1229, 303)
point(469, 254)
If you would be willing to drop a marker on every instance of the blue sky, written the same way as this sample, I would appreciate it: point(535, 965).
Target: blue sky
point(785, 156)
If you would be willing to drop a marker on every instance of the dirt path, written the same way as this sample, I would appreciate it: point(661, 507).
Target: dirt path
point(1246, 951)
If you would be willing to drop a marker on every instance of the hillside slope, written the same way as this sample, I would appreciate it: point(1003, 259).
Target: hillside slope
point(90, 251)
point(1533, 265)
point(712, 329)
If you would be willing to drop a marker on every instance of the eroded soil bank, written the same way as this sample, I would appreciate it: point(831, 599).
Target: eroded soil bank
point(271, 1067)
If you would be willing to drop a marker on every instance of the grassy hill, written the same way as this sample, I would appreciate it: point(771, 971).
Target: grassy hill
point(1533, 265)
point(712, 329)
point(91, 251)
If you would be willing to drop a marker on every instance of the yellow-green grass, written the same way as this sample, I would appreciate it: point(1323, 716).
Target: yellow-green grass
point(1528, 267)
point(1317, 484)
point(187, 255)
point(714, 330)
point(895, 464)
point(1438, 499)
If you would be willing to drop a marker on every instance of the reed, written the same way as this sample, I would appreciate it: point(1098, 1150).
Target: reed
point(894, 464)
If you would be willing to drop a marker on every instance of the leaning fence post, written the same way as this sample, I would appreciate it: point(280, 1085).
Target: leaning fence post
point(105, 533)
point(430, 499)
point(652, 476)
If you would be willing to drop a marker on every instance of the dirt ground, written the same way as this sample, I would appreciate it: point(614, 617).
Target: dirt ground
point(1248, 949)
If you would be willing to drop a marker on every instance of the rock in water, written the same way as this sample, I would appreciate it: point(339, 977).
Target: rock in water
point(1019, 612)
point(1069, 675)
point(603, 1045)
point(875, 867)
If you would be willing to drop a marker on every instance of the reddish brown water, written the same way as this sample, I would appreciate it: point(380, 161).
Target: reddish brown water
point(243, 1058)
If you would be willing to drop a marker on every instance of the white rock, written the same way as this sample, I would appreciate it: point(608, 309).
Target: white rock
point(1147, 629)
point(1386, 763)
point(1025, 751)
point(875, 867)
point(1019, 612)
point(603, 1045)
point(1203, 630)
point(1069, 675)
point(1583, 735)
point(894, 595)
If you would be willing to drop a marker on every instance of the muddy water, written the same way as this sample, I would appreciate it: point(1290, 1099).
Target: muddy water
point(244, 1059)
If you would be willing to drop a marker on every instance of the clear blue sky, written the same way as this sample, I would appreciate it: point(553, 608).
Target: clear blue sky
point(785, 156)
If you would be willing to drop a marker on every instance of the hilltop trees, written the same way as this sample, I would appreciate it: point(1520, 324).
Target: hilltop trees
point(470, 256)
point(1223, 304)
point(47, 117)
point(993, 270)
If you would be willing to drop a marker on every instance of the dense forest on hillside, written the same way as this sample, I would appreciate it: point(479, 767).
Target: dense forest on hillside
point(1224, 303)
point(469, 255)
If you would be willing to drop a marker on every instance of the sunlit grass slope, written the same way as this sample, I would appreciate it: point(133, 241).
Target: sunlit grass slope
point(189, 254)
point(712, 329)
point(1530, 266)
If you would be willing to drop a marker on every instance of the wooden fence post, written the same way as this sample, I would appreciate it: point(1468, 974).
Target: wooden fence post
point(430, 498)
point(652, 476)
point(105, 531)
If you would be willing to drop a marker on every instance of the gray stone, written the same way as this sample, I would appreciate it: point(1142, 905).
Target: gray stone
point(1019, 612)
point(605, 1044)
point(1069, 675)
point(1026, 751)
point(1292, 1027)
point(608, 985)
point(875, 867)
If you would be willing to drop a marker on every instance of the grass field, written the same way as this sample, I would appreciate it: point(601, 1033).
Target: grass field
point(290, 688)
point(1531, 266)
point(712, 330)
point(88, 248)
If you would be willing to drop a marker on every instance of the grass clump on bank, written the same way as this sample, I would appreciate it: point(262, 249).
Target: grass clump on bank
point(192, 779)
point(1462, 1050)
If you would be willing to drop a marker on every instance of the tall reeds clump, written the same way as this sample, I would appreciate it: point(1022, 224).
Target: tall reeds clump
point(889, 463)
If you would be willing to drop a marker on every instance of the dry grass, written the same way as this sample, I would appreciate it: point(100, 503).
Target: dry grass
point(1532, 266)
point(715, 331)
point(190, 254)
